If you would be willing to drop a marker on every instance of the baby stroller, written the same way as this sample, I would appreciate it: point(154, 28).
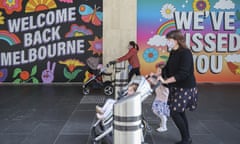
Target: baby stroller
point(94, 78)
point(102, 130)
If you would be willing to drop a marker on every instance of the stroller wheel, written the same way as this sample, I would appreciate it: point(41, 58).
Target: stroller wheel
point(145, 128)
point(108, 90)
point(86, 90)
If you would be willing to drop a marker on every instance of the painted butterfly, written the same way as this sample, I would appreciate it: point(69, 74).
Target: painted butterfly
point(90, 15)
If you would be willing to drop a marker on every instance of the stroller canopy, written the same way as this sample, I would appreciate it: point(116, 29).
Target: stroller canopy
point(93, 62)
point(143, 86)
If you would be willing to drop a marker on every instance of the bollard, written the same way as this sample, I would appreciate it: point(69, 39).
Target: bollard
point(121, 77)
point(127, 120)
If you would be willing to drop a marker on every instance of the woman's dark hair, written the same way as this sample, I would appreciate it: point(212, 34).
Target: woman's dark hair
point(178, 36)
point(134, 45)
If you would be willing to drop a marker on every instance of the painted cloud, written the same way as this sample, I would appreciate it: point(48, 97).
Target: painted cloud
point(224, 4)
point(157, 40)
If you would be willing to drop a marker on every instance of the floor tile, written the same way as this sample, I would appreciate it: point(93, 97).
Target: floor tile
point(72, 139)
point(80, 122)
point(45, 133)
point(60, 114)
point(223, 131)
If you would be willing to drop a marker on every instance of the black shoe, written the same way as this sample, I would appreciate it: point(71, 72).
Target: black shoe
point(188, 141)
point(180, 142)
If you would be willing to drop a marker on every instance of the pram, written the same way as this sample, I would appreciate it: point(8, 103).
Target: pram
point(102, 130)
point(94, 78)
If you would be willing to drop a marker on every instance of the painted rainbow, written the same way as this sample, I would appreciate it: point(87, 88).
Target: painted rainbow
point(166, 27)
point(10, 38)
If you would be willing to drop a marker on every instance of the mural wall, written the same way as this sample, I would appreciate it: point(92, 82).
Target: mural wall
point(46, 41)
point(211, 27)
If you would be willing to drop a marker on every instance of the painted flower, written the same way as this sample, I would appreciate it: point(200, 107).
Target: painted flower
point(167, 11)
point(1, 18)
point(150, 55)
point(72, 64)
point(11, 5)
point(24, 76)
point(3, 74)
point(201, 5)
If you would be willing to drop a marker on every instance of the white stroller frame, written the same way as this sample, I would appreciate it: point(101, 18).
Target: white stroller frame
point(144, 88)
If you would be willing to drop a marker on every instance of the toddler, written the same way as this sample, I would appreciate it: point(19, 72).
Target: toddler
point(105, 110)
point(160, 107)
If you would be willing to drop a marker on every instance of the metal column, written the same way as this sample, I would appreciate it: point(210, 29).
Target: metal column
point(121, 77)
point(127, 120)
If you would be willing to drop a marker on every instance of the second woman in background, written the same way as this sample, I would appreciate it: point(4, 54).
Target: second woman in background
point(132, 58)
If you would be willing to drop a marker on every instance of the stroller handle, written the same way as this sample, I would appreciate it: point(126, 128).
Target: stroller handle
point(158, 83)
point(112, 62)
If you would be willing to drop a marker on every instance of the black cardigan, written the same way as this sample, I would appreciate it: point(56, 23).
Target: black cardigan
point(180, 65)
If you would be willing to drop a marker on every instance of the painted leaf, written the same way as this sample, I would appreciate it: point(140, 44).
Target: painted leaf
point(75, 73)
point(35, 80)
point(34, 70)
point(72, 75)
point(164, 57)
point(17, 81)
point(66, 73)
point(16, 72)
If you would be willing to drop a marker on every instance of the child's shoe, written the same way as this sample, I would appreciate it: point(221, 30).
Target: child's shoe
point(161, 129)
point(163, 124)
point(99, 109)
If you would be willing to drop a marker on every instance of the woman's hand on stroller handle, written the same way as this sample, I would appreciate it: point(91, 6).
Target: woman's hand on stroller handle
point(158, 82)
point(112, 62)
point(163, 81)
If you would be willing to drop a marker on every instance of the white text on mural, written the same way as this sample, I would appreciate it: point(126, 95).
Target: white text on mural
point(42, 38)
point(220, 37)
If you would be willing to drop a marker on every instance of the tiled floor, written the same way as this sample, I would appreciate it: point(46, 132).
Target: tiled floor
point(60, 114)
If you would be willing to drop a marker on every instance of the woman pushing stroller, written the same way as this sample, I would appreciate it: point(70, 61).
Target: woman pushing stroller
point(179, 72)
point(132, 57)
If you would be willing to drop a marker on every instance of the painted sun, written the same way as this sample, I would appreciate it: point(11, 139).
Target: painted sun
point(39, 5)
point(96, 46)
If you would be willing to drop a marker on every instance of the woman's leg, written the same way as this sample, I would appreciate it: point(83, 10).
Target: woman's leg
point(163, 124)
point(137, 71)
point(163, 121)
point(130, 75)
point(180, 120)
point(183, 114)
point(163, 118)
point(133, 71)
